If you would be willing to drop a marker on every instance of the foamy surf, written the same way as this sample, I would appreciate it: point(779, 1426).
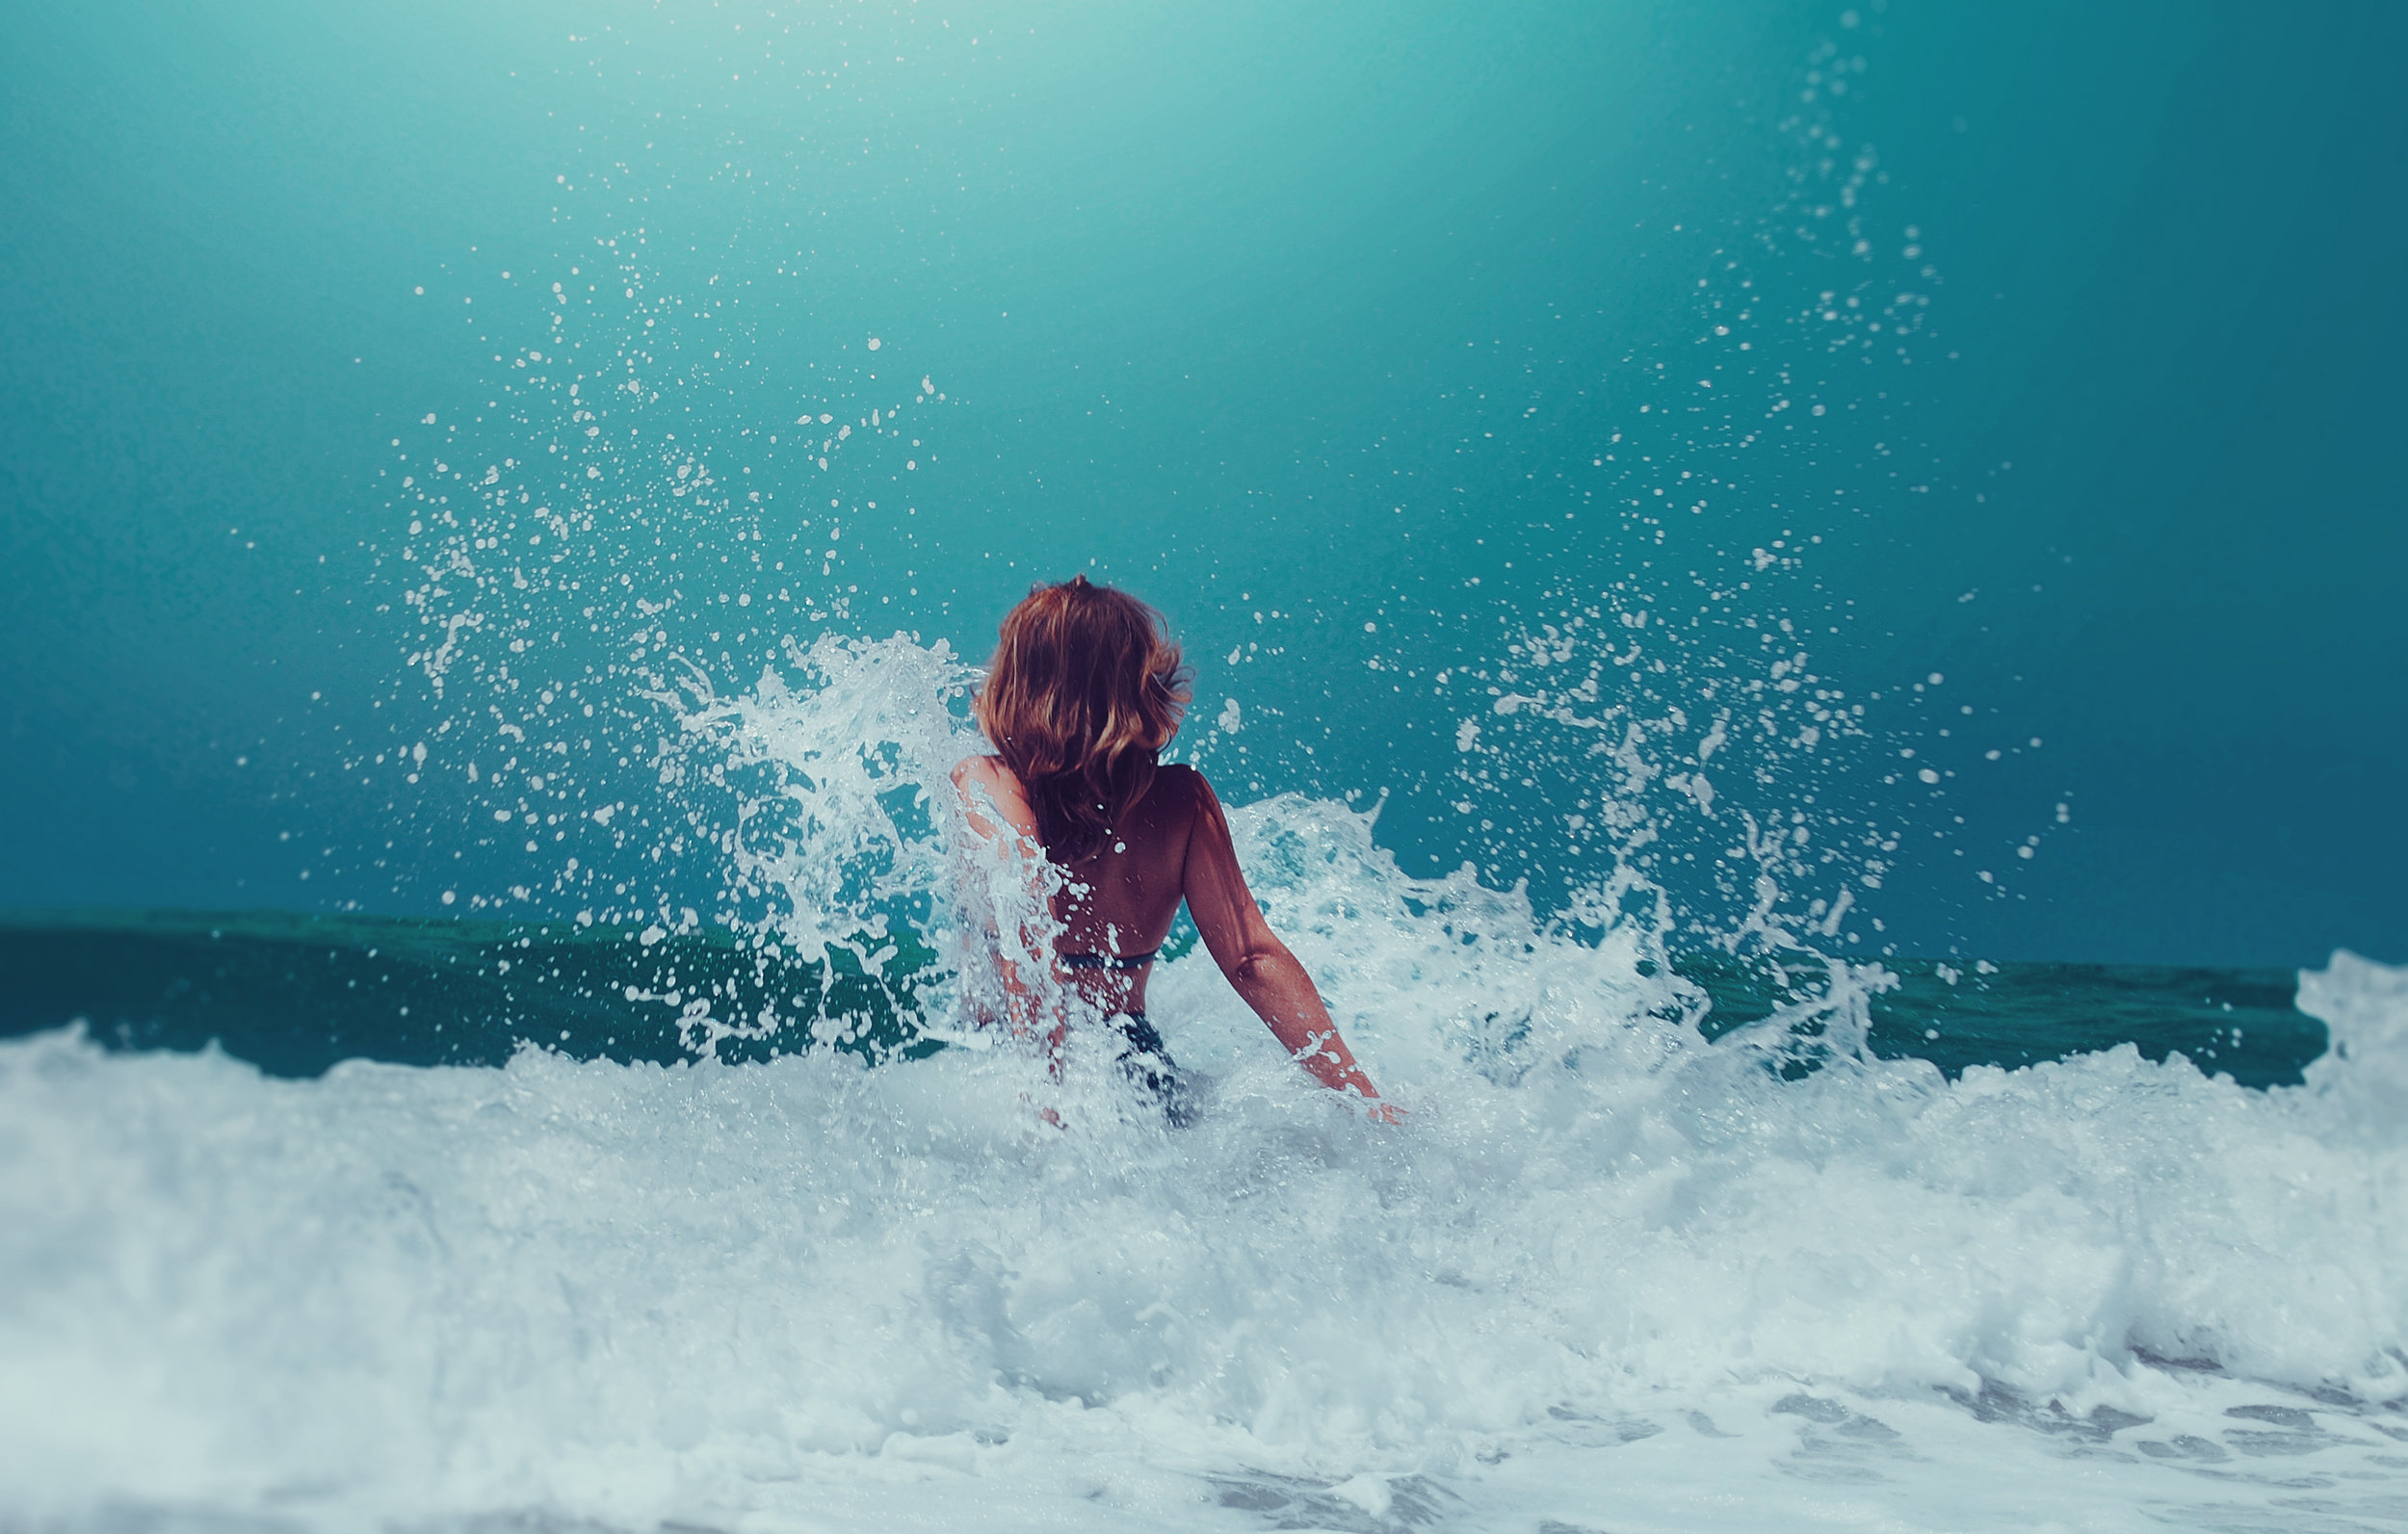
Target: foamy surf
point(1610, 1275)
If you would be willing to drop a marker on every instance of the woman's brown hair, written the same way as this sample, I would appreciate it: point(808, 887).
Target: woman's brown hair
point(1084, 690)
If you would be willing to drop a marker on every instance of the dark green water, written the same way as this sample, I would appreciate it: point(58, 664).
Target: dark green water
point(294, 995)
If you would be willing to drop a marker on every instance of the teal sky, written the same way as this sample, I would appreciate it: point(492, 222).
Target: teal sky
point(1337, 307)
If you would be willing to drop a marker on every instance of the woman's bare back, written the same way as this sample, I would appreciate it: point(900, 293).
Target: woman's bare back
point(1116, 906)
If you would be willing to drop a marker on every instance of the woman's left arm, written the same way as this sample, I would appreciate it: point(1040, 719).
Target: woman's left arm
point(1259, 966)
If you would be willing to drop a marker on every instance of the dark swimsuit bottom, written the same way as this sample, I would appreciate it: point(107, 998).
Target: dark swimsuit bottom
point(1147, 1061)
point(1121, 962)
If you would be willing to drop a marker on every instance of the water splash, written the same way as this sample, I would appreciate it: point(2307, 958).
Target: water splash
point(629, 1294)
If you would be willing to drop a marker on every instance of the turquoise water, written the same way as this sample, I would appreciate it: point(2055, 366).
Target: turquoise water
point(295, 995)
point(1335, 309)
point(1794, 603)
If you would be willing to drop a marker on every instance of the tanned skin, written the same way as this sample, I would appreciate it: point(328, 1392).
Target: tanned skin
point(1172, 846)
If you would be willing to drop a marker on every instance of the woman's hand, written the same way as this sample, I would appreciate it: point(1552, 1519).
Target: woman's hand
point(1351, 1080)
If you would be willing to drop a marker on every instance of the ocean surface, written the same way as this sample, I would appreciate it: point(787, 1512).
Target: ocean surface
point(337, 1223)
point(1791, 603)
point(348, 1221)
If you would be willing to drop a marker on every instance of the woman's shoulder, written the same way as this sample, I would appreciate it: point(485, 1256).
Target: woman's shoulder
point(987, 771)
point(989, 775)
point(986, 782)
point(1180, 782)
point(1182, 790)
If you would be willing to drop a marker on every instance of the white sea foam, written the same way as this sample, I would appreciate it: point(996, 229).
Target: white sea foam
point(1608, 1274)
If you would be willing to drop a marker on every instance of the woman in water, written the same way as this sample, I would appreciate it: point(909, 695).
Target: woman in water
point(1084, 690)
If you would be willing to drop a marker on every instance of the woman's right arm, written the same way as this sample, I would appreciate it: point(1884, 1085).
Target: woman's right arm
point(1002, 827)
point(1259, 965)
